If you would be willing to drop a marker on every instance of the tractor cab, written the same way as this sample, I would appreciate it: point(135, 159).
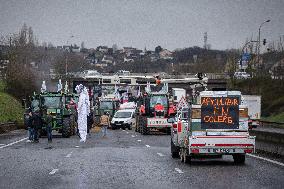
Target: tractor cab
point(158, 105)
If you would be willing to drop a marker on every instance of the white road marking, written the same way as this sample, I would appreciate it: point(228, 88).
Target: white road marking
point(53, 171)
point(132, 136)
point(265, 159)
point(178, 170)
point(69, 155)
point(139, 140)
point(14, 142)
point(77, 146)
point(160, 154)
point(127, 132)
point(2, 144)
point(148, 146)
point(123, 130)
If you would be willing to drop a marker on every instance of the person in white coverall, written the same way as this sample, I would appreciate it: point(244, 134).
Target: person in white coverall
point(83, 111)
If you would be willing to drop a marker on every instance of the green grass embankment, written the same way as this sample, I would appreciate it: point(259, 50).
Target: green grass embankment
point(10, 108)
point(279, 118)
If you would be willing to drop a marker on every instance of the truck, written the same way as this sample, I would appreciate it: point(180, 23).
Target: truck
point(177, 94)
point(217, 125)
point(254, 109)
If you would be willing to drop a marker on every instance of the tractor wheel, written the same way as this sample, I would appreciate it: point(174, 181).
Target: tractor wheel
point(66, 127)
point(144, 129)
point(239, 158)
point(168, 131)
point(73, 125)
point(174, 150)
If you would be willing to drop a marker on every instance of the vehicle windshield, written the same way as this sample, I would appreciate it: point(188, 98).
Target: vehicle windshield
point(106, 105)
point(52, 101)
point(158, 99)
point(122, 114)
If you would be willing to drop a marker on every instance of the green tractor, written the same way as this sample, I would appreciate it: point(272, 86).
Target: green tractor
point(64, 117)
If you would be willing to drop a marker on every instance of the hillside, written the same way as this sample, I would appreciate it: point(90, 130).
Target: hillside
point(10, 108)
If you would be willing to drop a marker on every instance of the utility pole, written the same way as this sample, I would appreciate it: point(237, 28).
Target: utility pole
point(258, 50)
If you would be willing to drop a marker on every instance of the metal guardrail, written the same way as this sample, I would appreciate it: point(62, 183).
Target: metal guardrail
point(8, 123)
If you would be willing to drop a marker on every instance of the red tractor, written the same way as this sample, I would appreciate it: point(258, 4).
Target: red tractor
point(153, 113)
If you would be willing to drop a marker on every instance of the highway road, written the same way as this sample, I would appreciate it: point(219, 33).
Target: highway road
point(124, 159)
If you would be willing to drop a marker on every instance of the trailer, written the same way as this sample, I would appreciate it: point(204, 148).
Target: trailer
point(178, 93)
point(254, 109)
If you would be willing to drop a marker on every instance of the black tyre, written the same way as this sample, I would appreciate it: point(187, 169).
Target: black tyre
point(66, 127)
point(143, 128)
point(73, 125)
point(113, 127)
point(168, 131)
point(239, 158)
point(174, 150)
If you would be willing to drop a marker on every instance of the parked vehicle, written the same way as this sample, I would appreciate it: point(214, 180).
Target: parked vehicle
point(254, 109)
point(180, 118)
point(217, 125)
point(177, 94)
point(123, 119)
point(151, 119)
point(242, 75)
point(107, 104)
point(63, 117)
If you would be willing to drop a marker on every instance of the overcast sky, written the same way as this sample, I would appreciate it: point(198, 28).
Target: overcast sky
point(171, 24)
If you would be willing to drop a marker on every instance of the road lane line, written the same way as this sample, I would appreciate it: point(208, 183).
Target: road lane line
point(77, 146)
point(160, 154)
point(127, 132)
point(148, 146)
point(178, 170)
point(14, 142)
point(2, 144)
point(265, 159)
point(53, 171)
point(69, 155)
point(139, 140)
point(132, 136)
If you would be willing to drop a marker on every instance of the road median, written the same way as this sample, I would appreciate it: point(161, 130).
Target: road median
point(269, 140)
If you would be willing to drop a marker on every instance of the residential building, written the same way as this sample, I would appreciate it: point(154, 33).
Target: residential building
point(166, 54)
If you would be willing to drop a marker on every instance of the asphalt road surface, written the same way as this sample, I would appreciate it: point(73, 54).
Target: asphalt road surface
point(124, 159)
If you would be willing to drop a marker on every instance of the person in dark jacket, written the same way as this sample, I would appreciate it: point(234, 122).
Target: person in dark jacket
point(36, 124)
point(30, 126)
point(49, 126)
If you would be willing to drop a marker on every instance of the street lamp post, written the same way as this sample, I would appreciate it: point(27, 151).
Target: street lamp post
point(66, 59)
point(258, 49)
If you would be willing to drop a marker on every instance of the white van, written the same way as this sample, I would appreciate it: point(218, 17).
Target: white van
point(123, 119)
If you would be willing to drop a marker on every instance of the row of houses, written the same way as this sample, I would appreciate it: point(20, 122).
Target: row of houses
point(103, 56)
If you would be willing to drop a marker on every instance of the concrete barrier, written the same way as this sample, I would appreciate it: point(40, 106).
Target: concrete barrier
point(272, 142)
